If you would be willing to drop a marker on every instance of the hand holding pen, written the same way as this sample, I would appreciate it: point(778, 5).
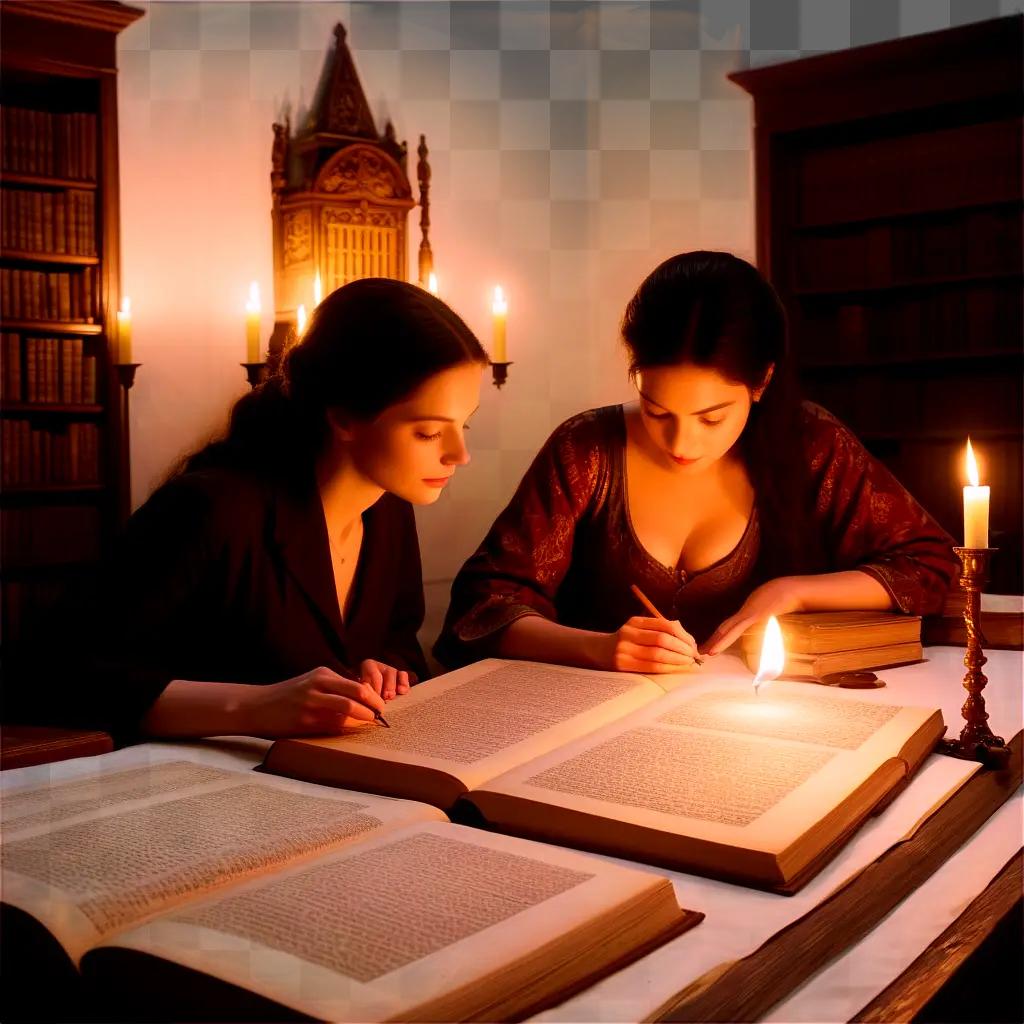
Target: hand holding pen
point(650, 645)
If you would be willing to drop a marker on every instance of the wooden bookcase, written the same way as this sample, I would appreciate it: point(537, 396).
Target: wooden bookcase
point(65, 485)
point(890, 193)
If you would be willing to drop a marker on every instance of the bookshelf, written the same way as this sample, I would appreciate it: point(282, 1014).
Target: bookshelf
point(64, 485)
point(890, 195)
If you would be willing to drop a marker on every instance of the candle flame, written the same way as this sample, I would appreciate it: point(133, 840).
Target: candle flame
point(972, 465)
point(318, 290)
point(500, 305)
point(126, 306)
point(432, 283)
point(253, 305)
point(300, 317)
point(773, 655)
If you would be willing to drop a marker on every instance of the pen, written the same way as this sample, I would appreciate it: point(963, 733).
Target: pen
point(378, 717)
point(649, 605)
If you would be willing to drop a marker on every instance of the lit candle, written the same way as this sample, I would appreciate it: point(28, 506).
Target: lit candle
point(975, 506)
point(318, 290)
point(432, 283)
point(500, 310)
point(252, 324)
point(124, 331)
point(300, 319)
point(773, 655)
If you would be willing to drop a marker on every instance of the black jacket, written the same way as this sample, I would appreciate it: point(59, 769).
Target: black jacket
point(223, 577)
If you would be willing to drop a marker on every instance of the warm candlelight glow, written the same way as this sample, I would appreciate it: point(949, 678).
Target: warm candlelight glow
point(432, 283)
point(318, 290)
point(252, 324)
point(976, 501)
point(972, 466)
point(773, 655)
point(124, 331)
point(500, 310)
point(300, 319)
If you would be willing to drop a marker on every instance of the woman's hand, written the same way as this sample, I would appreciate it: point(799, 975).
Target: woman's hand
point(389, 682)
point(319, 702)
point(648, 645)
point(776, 597)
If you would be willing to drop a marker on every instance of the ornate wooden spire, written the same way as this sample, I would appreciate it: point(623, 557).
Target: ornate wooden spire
point(341, 108)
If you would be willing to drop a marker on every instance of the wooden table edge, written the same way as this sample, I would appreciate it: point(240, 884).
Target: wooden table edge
point(747, 988)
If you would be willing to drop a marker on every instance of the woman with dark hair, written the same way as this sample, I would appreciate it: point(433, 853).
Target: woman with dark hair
point(273, 587)
point(717, 492)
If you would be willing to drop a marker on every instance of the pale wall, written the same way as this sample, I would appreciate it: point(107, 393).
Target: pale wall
point(574, 146)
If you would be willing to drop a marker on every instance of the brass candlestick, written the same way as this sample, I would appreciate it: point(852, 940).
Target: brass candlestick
point(499, 373)
point(255, 373)
point(976, 742)
point(125, 378)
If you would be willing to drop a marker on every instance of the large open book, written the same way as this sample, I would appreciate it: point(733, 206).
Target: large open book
point(228, 895)
point(698, 776)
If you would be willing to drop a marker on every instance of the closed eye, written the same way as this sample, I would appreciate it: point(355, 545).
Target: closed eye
point(711, 423)
point(657, 415)
point(428, 437)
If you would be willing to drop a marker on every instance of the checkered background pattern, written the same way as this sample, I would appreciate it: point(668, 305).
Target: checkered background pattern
point(574, 145)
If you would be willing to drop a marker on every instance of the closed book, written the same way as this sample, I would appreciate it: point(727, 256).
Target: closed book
point(826, 632)
point(814, 666)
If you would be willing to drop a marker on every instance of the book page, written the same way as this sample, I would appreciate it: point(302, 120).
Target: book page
point(485, 718)
point(720, 764)
point(89, 875)
point(49, 805)
point(808, 717)
point(380, 928)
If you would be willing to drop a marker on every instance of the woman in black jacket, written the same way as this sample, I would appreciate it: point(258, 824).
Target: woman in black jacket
point(273, 586)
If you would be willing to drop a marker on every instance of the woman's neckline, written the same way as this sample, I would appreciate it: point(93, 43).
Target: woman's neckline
point(683, 575)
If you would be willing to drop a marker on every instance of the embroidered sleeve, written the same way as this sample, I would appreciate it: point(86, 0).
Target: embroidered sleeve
point(871, 523)
point(522, 561)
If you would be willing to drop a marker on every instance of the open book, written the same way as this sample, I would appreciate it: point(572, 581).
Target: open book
point(228, 894)
point(698, 776)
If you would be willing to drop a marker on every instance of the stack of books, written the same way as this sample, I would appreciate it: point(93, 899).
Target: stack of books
point(821, 643)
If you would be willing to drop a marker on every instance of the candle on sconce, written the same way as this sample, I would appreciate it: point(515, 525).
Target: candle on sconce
point(300, 319)
point(975, 506)
point(432, 283)
point(500, 310)
point(773, 655)
point(318, 290)
point(252, 324)
point(124, 331)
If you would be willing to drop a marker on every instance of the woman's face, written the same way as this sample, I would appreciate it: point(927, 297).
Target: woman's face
point(413, 447)
point(692, 414)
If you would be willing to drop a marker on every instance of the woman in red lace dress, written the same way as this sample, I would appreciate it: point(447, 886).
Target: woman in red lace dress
point(717, 492)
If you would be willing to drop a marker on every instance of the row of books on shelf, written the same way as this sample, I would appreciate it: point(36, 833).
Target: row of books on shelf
point(971, 243)
point(49, 535)
point(47, 143)
point(966, 165)
point(46, 370)
point(971, 318)
point(42, 295)
point(885, 404)
point(28, 602)
point(35, 456)
point(49, 222)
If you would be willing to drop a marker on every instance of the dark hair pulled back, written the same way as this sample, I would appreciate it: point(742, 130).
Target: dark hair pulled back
point(368, 345)
point(713, 309)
